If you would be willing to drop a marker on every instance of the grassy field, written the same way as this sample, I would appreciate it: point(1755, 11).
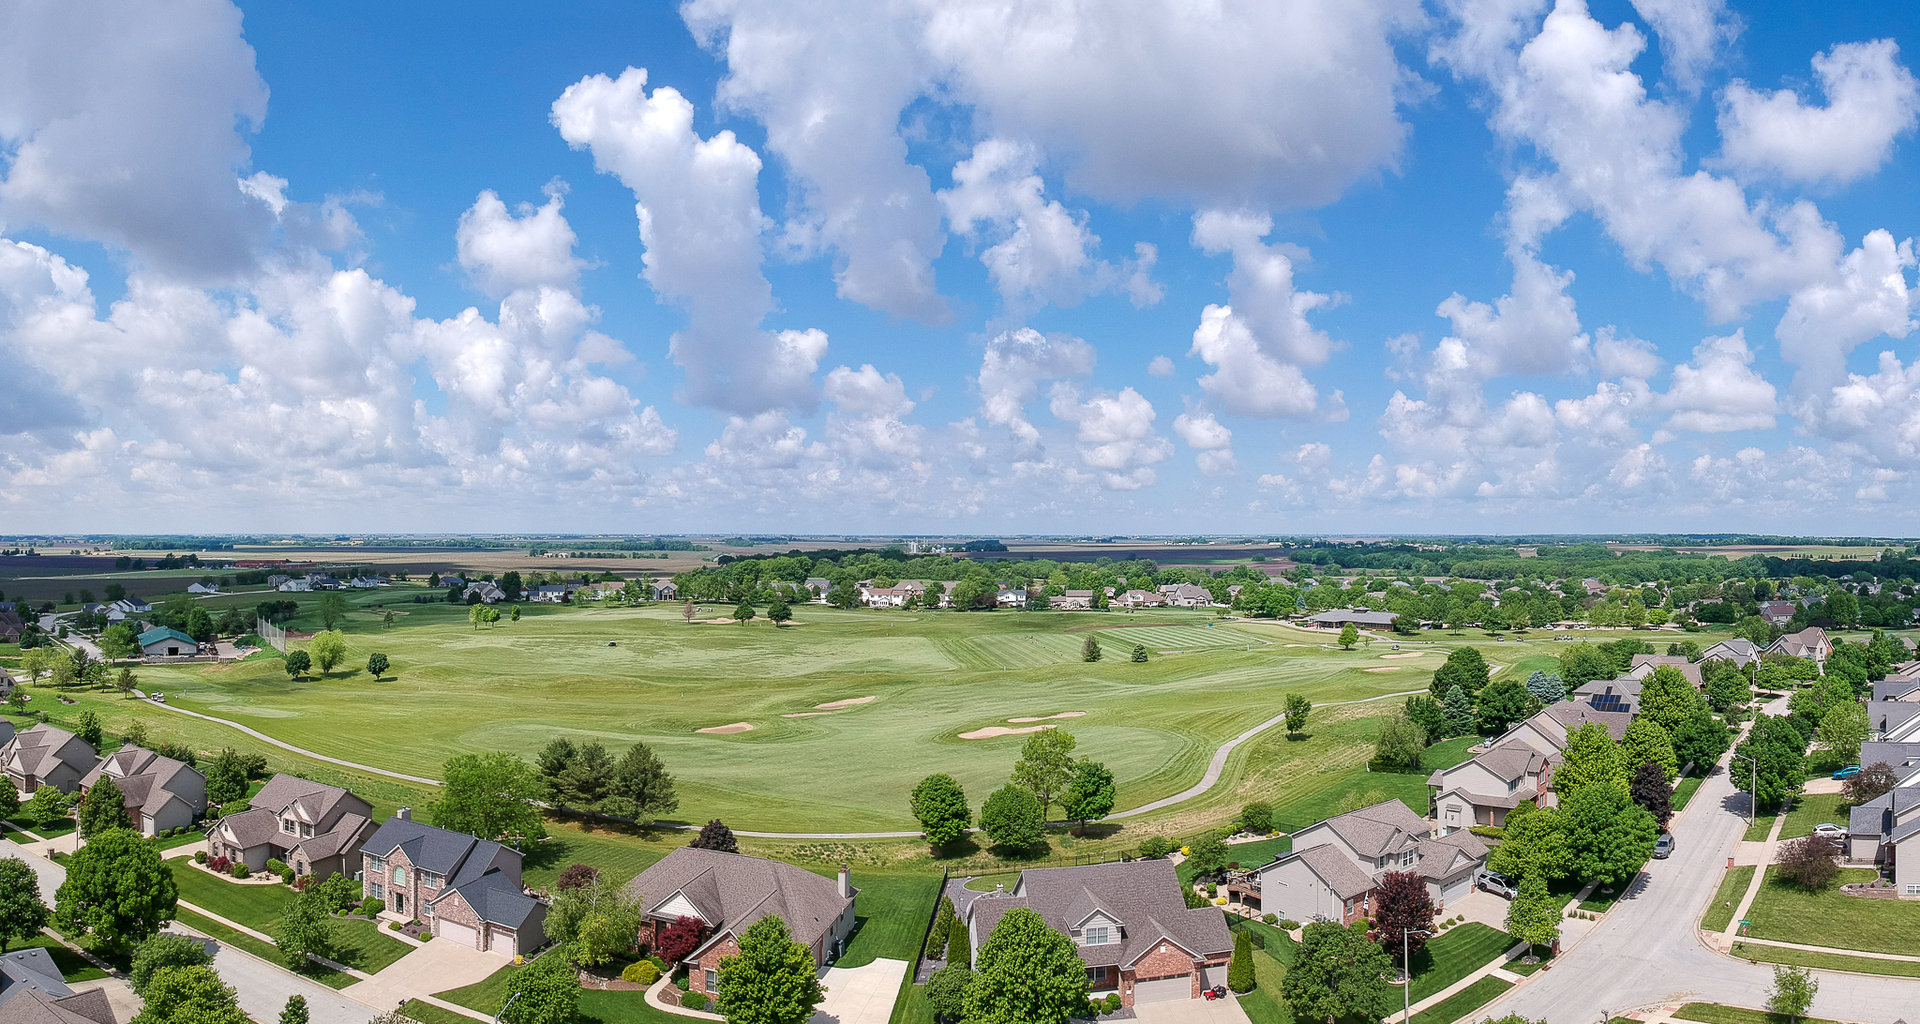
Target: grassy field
point(1825, 961)
point(264, 950)
point(1786, 913)
point(893, 909)
point(1758, 831)
point(1684, 789)
point(1733, 886)
point(1463, 1002)
point(1812, 810)
point(1453, 955)
point(932, 677)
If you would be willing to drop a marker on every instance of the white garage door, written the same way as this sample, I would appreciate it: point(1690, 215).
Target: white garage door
point(1458, 889)
point(502, 942)
point(1163, 989)
point(1213, 976)
point(457, 933)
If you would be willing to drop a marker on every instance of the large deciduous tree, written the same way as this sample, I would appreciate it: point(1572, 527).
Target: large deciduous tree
point(772, 980)
point(1012, 817)
point(1592, 758)
point(22, 915)
point(1046, 766)
point(1402, 904)
point(1026, 973)
point(1298, 709)
point(1651, 791)
point(546, 991)
point(595, 920)
point(1668, 699)
point(490, 796)
point(1608, 835)
point(1778, 753)
point(1842, 729)
point(1504, 703)
point(117, 890)
point(1465, 668)
point(298, 662)
point(103, 808)
point(333, 609)
point(192, 994)
point(1809, 862)
point(305, 927)
point(1337, 973)
point(1400, 744)
point(941, 806)
point(1534, 915)
point(1090, 796)
point(1870, 783)
point(1534, 844)
point(164, 950)
point(328, 648)
point(1647, 742)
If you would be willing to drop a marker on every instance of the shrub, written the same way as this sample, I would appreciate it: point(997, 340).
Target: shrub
point(694, 1001)
point(1269, 918)
point(577, 876)
point(1213, 888)
point(1257, 816)
point(1290, 925)
point(1154, 847)
point(1809, 862)
point(1112, 1002)
point(681, 982)
point(240, 869)
point(199, 856)
point(394, 927)
point(1219, 901)
point(287, 876)
point(426, 936)
point(220, 864)
point(276, 865)
point(373, 907)
point(641, 972)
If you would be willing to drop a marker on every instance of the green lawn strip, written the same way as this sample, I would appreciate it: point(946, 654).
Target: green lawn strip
point(1263, 1005)
point(1279, 945)
point(1815, 809)
point(1602, 900)
point(1825, 961)
point(73, 966)
point(1714, 1013)
point(59, 828)
point(1684, 789)
point(1545, 953)
point(486, 995)
point(985, 883)
point(1786, 913)
point(1463, 1002)
point(362, 946)
point(912, 1007)
point(175, 842)
point(256, 906)
point(1733, 886)
point(609, 1007)
point(264, 950)
point(427, 1013)
point(892, 911)
point(1757, 832)
point(1454, 954)
point(618, 851)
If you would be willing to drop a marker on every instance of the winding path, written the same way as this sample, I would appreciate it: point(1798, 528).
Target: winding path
point(1212, 775)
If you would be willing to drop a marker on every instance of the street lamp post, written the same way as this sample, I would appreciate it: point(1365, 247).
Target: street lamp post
point(1753, 792)
point(1406, 968)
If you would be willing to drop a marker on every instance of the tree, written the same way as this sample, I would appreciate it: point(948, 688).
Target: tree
point(1459, 709)
point(9, 801)
point(943, 921)
point(595, 920)
point(1668, 699)
point(546, 991)
point(1504, 703)
point(1402, 904)
point(1793, 992)
point(46, 806)
point(1090, 795)
point(377, 664)
point(1208, 854)
point(1646, 742)
point(103, 808)
point(1809, 862)
point(642, 787)
point(22, 915)
point(1701, 740)
point(226, 778)
point(162, 951)
point(1779, 767)
point(743, 612)
point(941, 807)
point(771, 980)
point(1240, 969)
point(947, 992)
point(577, 875)
point(119, 641)
point(1651, 791)
point(1534, 844)
point(192, 994)
point(490, 796)
point(678, 940)
point(305, 927)
point(1870, 783)
point(1430, 715)
point(1534, 915)
point(1257, 817)
point(1337, 973)
point(295, 1012)
point(1401, 742)
point(1591, 758)
point(328, 648)
point(1090, 649)
point(117, 890)
point(298, 662)
point(1349, 636)
point(959, 947)
point(333, 609)
point(1465, 668)
point(515, 616)
point(1608, 835)
point(716, 836)
point(1012, 817)
point(1027, 973)
point(1547, 687)
point(1046, 766)
point(1139, 654)
point(779, 612)
point(1842, 729)
point(1582, 663)
point(1298, 708)
point(687, 612)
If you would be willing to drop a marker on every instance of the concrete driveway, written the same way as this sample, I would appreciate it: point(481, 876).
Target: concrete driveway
point(861, 995)
point(1191, 1011)
point(435, 967)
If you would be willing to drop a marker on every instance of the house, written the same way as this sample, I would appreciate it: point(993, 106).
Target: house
point(32, 991)
point(1141, 599)
point(1644, 664)
point(159, 792)
point(468, 889)
point(313, 828)
point(551, 593)
point(11, 627)
point(1369, 843)
point(1778, 613)
point(163, 642)
point(1128, 921)
point(1482, 790)
point(1547, 730)
point(131, 605)
point(1884, 830)
point(1360, 617)
point(1892, 688)
point(1739, 650)
point(46, 755)
point(203, 588)
point(485, 592)
point(1189, 595)
point(817, 589)
point(728, 892)
point(277, 578)
point(665, 591)
point(6, 690)
point(889, 597)
point(1622, 694)
point(294, 587)
point(1074, 600)
point(1810, 643)
point(1893, 721)
point(367, 582)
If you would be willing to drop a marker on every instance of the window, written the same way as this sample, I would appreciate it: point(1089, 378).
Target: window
point(286, 825)
point(712, 981)
point(306, 830)
point(430, 880)
point(377, 891)
point(377, 863)
point(1913, 890)
point(399, 875)
point(1098, 935)
point(1511, 786)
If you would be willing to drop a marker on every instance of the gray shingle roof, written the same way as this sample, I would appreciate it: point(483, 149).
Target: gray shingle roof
point(1385, 828)
point(732, 891)
point(1343, 876)
point(1891, 688)
point(147, 780)
point(30, 969)
point(35, 1007)
point(1573, 715)
point(458, 857)
point(496, 898)
point(1142, 896)
point(34, 751)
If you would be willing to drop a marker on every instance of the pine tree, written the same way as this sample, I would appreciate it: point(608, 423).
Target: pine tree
point(1460, 716)
point(1240, 970)
point(1139, 654)
point(1090, 651)
point(959, 945)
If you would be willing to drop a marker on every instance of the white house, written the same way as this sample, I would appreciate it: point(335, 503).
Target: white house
point(1739, 650)
point(203, 588)
point(294, 587)
point(1318, 879)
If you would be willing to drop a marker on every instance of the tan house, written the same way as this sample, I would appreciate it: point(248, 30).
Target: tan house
point(46, 755)
point(1810, 643)
point(1644, 664)
point(729, 892)
point(160, 792)
point(1481, 791)
point(1547, 730)
point(468, 890)
point(1128, 921)
point(313, 828)
point(1309, 883)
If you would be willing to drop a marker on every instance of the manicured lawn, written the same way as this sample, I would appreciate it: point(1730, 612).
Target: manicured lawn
point(1757, 833)
point(1812, 810)
point(1545, 953)
point(1827, 961)
point(59, 827)
point(187, 838)
point(427, 1013)
point(1454, 954)
point(1246, 854)
point(619, 852)
point(1733, 887)
point(912, 1007)
point(1714, 1013)
point(622, 1008)
point(73, 966)
point(1463, 1002)
point(892, 910)
point(1263, 1005)
point(256, 906)
point(1684, 789)
point(486, 995)
point(363, 947)
point(1605, 895)
point(264, 950)
point(1786, 913)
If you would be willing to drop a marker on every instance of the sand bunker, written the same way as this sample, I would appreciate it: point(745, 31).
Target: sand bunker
point(1404, 654)
point(723, 730)
point(1296, 645)
point(803, 714)
point(1000, 730)
point(1043, 718)
point(1384, 668)
point(835, 705)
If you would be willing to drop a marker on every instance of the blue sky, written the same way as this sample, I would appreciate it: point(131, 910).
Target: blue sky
point(1346, 267)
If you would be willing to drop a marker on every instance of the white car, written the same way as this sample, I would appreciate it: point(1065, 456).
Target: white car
point(1830, 830)
point(1496, 883)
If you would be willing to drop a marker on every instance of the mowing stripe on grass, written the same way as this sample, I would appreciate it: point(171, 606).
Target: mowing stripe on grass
point(1825, 961)
point(1463, 1002)
point(1732, 886)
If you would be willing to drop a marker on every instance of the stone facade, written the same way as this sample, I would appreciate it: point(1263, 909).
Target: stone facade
point(405, 890)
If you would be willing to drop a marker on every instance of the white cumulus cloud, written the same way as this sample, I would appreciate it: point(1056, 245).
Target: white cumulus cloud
point(1871, 100)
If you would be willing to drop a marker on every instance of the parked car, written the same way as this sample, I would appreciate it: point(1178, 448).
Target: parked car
point(1663, 846)
point(1848, 772)
point(1830, 830)
point(1495, 883)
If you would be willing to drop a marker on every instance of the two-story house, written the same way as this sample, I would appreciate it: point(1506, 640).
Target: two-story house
point(1482, 790)
point(1546, 731)
point(47, 755)
point(1320, 879)
point(468, 889)
point(1810, 643)
point(160, 793)
point(313, 828)
point(1129, 924)
point(1644, 664)
point(729, 892)
point(1886, 830)
point(1739, 650)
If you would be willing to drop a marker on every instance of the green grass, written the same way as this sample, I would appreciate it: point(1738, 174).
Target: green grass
point(1602, 901)
point(892, 911)
point(618, 851)
point(1263, 1005)
point(1454, 954)
point(1684, 789)
point(264, 950)
point(427, 1013)
point(621, 1008)
point(1814, 809)
point(1714, 1013)
point(187, 838)
point(59, 828)
point(73, 967)
point(256, 906)
point(912, 1007)
point(1757, 832)
point(1786, 913)
point(486, 995)
point(1544, 953)
point(1246, 854)
point(1733, 888)
point(1825, 961)
point(362, 946)
point(1463, 1002)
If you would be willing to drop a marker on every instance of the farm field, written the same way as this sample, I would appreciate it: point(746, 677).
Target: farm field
point(937, 692)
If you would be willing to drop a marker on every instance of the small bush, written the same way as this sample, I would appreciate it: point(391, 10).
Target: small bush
point(220, 864)
point(1290, 925)
point(682, 983)
point(287, 876)
point(694, 1001)
point(426, 936)
point(240, 869)
point(1154, 847)
point(1213, 888)
point(1112, 1002)
point(1219, 901)
point(276, 865)
point(1269, 918)
point(641, 972)
point(199, 856)
point(394, 927)
point(373, 907)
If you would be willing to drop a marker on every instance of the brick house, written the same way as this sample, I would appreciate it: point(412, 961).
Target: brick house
point(1128, 921)
point(313, 828)
point(159, 792)
point(46, 755)
point(729, 892)
point(467, 889)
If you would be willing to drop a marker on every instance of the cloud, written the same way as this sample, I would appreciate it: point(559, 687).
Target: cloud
point(1258, 342)
point(1211, 438)
point(1871, 101)
point(700, 219)
point(1161, 366)
point(506, 250)
point(1690, 31)
point(1115, 434)
point(1625, 356)
point(867, 425)
point(1532, 331)
point(1719, 391)
point(1013, 367)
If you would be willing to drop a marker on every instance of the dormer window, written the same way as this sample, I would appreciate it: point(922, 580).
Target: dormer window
point(306, 830)
point(286, 825)
point(1096, 935)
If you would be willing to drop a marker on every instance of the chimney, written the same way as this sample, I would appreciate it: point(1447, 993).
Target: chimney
point(846, 883)
point(404, 814)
